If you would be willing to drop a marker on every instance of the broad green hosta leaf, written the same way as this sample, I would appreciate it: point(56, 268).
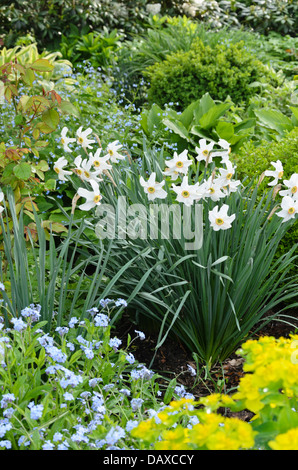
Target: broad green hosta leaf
point(205, 104)
point(225, 130)
point(188, 114)
point(294, 117)
point(209, 119)
point(177, 127)
point(245, 127)
point(200, 132)
point(274, 120)
point(154, 118)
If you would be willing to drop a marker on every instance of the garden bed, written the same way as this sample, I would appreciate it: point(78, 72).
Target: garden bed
point(99, 123)
point(172, 357)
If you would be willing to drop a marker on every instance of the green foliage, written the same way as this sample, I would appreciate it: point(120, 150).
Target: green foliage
point(26, 55)
point(46, 21)
point(210, 295)
point(252, 160)
point(162, 37)
point(166, 35)
point(59, 275)
point(203, 118)
point(266, 15)
point(222, 71)
point(263, 16)
point(210, 12)
point(257, 15)
point(280, 51)
point(281, 98)
point(36, 114)
point(273, 123)
point(98, 48)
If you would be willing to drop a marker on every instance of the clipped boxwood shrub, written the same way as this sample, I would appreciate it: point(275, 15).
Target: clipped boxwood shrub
point(252, 161)
point(223, 70)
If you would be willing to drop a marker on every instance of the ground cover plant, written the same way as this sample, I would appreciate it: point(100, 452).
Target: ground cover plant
point(49, 383)
point(265, 389)
point(148, 197)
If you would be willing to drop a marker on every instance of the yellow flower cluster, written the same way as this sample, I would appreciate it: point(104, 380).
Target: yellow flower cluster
point(150, 429)
point(286, 441)
point(269, 389)
point(273, 368)
point(211, 431)
point(215, 432)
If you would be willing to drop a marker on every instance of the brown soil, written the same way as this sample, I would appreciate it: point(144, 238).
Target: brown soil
point(172, 357)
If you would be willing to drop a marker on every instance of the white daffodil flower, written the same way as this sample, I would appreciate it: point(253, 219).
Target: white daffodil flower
point(212, 188)
point(225, 153)
point(179, 164)
point(83, 170)
point(292, 185)
point(224, 144)
point(226, 174)
point(171, 172)
point(1, 199)
point(186, 193)
point(231, 187)
point(66, 140)
point(93, 198)
point(113, 153)
point(58, 168)
point(204, 151)
point(276, 174)
point(100, 163)
point(154, 190)
point(219, 218)
point(289, 208)
point(228, 185)
point(82, 137)
point(78, 169)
